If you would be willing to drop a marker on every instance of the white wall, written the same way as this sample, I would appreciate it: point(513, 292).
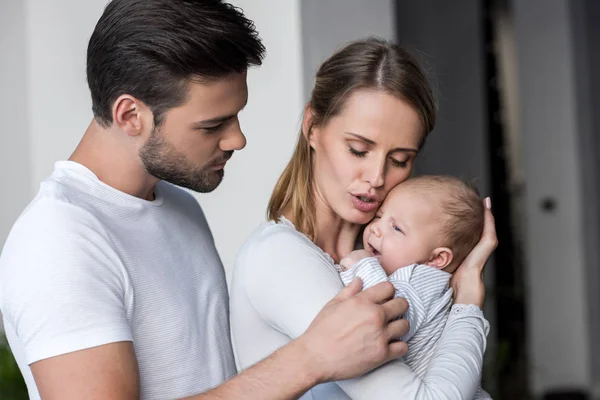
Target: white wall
point(270, 121)
point(58, 96)
point(15, 165)
point(44, 102)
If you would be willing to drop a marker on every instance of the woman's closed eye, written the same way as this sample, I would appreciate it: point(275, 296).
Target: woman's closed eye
point(398, 163)
point(356, 153)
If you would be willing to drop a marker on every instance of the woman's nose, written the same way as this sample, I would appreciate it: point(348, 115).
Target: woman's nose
point(376, 173)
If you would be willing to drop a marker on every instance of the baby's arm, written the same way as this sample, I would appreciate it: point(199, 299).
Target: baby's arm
point(371, 273)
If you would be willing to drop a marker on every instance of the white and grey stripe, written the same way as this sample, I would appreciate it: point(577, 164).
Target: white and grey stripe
point(429, 296)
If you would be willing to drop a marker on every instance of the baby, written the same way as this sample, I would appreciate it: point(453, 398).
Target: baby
point(423, 231)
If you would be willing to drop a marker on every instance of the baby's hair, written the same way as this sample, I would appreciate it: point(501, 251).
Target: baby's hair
point(461, 203)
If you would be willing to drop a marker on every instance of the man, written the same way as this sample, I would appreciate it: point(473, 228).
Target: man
point(110, 283)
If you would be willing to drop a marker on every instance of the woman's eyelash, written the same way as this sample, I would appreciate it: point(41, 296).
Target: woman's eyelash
point(401, 164)
point(356, 152)
point(396, 163)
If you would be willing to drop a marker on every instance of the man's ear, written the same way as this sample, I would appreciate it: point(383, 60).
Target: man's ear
point(440, 258)
point(128, 115)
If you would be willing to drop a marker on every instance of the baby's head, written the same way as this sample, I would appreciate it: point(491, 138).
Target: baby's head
point(431, 220)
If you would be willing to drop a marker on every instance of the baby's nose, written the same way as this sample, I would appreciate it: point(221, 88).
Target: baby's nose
point(375, 230)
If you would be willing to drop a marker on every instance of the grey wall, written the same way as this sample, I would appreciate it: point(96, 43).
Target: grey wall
point(449, 38)
point(554, 157)
point(586, 40)
point(329, 24)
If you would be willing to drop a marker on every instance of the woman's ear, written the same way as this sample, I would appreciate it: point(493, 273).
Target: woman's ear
point(307, 125)
point(440, 258)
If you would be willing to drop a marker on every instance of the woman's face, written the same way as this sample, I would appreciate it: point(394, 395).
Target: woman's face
point(363, 152)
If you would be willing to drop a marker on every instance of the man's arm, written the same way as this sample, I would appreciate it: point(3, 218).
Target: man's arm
point(349, 337)
point(104, 372)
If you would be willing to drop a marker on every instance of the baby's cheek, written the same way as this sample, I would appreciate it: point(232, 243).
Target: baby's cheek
point(366, 236)
point(388, 266)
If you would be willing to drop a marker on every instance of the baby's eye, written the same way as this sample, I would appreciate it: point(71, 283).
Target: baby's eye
point(397, 229)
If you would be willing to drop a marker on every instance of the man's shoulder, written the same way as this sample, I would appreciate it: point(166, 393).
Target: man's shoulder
point(50, 213)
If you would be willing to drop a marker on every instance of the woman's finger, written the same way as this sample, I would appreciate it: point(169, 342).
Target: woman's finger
point(489, 226)
point(487, 244)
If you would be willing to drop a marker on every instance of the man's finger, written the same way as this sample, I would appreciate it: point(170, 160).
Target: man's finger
point(353, 288)
point(396, 350)
point(379, 293)
point(396, 329)
point(395, 308)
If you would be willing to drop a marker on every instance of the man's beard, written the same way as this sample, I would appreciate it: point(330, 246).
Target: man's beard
point(166, 163)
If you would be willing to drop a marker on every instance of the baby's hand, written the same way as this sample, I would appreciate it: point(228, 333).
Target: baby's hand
point(354, 257)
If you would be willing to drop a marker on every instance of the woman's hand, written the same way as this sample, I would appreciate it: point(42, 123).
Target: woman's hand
point(467, 281)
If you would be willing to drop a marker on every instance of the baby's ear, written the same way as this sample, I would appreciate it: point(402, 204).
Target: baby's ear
point(440, 258)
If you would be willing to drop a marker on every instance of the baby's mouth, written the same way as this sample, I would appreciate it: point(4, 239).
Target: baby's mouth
point(373, 250)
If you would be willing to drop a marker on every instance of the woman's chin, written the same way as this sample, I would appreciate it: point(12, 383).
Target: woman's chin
point(359, 217)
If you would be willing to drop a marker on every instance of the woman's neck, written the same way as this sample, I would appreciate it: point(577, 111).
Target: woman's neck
point(333, 235)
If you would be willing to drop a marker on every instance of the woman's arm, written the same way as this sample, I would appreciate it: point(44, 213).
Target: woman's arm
point(288, 282)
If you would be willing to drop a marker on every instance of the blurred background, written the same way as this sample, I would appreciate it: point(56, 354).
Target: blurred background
point(518, 80)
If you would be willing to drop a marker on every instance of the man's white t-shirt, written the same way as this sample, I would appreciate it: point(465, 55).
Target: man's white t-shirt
point(86, 265)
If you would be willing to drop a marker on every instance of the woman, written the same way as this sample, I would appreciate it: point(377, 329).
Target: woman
point(369, 115)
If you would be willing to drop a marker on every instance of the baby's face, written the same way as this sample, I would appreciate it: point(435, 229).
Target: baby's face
point(406, 229)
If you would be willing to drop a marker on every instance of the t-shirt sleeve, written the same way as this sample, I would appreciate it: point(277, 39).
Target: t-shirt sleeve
point(62, 285)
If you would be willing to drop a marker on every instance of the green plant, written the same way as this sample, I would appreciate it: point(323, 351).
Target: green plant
point(12, 385)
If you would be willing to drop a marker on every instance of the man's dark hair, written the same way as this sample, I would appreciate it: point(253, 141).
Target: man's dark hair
point(151, 49)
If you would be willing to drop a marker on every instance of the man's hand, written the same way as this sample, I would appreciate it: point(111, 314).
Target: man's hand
point(354, 257)
point(353, 334)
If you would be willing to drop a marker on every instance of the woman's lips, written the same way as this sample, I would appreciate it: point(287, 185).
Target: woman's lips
point(361, 203)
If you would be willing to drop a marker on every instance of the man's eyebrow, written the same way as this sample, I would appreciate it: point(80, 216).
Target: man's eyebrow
point(216, 120)
point(213, 121)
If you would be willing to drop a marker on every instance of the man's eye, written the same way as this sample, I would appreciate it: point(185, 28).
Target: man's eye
point(211, 129)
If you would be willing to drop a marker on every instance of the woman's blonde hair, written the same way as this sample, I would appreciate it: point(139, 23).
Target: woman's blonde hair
point(364, 64)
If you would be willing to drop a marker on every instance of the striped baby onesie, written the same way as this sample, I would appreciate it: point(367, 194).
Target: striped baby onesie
point(429, 296)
